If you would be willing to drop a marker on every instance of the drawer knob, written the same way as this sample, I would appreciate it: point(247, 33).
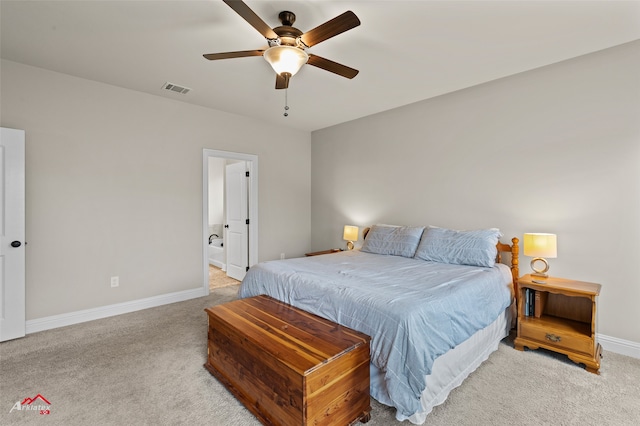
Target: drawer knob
point(552, 337)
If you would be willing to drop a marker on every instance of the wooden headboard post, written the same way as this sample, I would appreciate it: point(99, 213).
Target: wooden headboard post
point(515, 268)
point(515, 251)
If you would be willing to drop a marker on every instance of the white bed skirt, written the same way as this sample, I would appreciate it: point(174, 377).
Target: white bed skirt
point(450, 369)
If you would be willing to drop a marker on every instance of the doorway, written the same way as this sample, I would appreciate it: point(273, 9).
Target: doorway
point(249, 251)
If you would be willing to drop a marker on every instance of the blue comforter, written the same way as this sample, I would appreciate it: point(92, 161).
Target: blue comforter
point(413, 310)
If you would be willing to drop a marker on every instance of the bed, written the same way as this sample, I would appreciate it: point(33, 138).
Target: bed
point(436, 303)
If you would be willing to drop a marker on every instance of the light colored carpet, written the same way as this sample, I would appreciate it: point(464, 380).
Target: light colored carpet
point(145, 368)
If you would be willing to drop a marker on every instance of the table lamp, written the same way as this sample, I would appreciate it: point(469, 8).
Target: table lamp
point(540, 246)
point(350, 235)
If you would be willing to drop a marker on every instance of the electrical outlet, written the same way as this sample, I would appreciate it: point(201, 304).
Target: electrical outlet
point(281, 256)
point(115, 281)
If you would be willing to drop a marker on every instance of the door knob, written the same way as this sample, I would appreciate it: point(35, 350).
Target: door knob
point(16, 244)
point(226, 226)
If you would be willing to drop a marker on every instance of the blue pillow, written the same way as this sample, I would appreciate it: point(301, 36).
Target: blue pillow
point(475, 248)
point(393, 240)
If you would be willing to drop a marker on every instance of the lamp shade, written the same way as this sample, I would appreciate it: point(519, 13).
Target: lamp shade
point(286, 59)
point(540, 245)
point(350, 233)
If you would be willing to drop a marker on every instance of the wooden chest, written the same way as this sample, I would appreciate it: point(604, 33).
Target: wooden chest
point(287, 366)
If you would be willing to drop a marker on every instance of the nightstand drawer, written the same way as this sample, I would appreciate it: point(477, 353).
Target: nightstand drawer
point(558, 338)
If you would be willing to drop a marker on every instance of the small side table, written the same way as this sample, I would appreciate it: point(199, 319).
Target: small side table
point(318, 253)
point(563, 318)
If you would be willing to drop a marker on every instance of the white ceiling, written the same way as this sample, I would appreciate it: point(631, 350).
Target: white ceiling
point(406, 51)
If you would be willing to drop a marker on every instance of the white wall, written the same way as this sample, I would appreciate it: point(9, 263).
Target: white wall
point(114, 187)
point(555, 149)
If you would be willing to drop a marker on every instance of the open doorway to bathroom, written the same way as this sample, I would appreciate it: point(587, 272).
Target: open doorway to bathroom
point(230, 216)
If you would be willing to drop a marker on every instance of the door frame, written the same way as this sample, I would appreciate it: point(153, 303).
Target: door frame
point(252, 191)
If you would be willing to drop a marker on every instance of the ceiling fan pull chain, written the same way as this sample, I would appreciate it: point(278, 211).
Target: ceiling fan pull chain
point(286, 102)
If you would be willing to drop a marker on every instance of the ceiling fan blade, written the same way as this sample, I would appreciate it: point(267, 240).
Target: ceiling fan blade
point(250, 16)
point(229, 55)
point(334, 67)
point(337, 25)
point(282, 82)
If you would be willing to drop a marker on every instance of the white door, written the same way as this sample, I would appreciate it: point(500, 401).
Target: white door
point(237, 214)
point(12, 233)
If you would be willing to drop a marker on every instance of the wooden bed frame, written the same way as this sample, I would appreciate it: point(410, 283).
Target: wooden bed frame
point(515, 251)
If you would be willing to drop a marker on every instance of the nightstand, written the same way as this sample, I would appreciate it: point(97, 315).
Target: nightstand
point(562, 318)
point(318, 253)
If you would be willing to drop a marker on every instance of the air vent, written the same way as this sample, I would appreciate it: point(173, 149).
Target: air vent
point(175, 88)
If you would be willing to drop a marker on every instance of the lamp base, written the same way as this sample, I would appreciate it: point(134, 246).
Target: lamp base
point(349, 245)
point(540, 272)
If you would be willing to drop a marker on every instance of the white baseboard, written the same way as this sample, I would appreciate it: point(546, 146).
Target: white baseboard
point(619, 346)
point(62, 320)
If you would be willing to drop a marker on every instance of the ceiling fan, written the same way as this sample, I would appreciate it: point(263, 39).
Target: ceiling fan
point(287, 51)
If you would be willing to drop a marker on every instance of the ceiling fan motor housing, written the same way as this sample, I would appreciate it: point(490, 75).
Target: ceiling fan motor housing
point(289, 36)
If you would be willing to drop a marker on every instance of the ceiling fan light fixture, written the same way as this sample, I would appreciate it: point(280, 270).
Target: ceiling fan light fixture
point(286, 59)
